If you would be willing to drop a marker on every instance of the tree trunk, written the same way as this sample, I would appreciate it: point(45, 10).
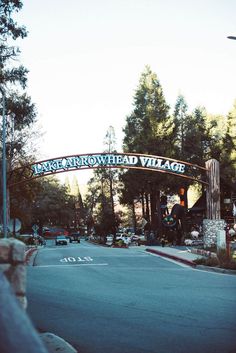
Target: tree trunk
point(159, 213)
point(213, 189)
point(134, 216)
point(143, 206)
point(147, 212)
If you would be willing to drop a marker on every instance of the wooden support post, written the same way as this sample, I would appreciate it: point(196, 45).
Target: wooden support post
point(213, 189)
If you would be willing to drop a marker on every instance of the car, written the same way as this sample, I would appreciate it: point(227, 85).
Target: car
point(125, 238)
point(61, 240)
point(74, 237)
point(138, 239)
point(109, 239)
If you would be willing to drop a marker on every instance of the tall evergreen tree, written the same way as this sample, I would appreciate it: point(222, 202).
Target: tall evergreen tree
point(149, 126)
point(180, 122)
point(20, 111)
point(102, 190)
point(149, 130)
point(111, 175)
point(227, 156)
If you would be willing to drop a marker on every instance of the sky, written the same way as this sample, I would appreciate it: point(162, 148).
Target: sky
point(85, 59)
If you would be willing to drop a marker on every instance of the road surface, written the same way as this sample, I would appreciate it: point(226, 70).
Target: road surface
point(106, 300)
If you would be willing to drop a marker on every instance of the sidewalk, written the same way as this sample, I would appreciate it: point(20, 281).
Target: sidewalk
point(179, 254)
point(185, 256)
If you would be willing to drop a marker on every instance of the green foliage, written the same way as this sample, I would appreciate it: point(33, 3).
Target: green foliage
point(20, 111)
point(209, 261)
point(9, 30)
point(98, 204)
point(222, 261)
point(194, 137)
point(102, 188)
point(51, 204)
point(148, 130)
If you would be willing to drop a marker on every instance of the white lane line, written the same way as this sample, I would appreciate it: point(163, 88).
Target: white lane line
point(51, 249)
point(77, 265)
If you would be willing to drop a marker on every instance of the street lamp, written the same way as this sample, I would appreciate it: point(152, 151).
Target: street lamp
point(231, 37)
point(4, 167)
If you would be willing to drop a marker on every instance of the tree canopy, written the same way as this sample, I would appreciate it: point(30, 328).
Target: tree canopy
point(193, 137)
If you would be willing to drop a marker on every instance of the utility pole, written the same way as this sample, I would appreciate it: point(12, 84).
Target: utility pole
point(4, 167)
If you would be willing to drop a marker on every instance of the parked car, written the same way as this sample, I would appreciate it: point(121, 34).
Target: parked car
point(139, 239)
point(74, 237)
point(125, 238)
point(61, 240)
point(109, 239)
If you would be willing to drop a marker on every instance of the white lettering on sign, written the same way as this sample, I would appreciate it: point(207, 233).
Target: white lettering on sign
point(107, 159)
point(157, 163)
point(77, 259)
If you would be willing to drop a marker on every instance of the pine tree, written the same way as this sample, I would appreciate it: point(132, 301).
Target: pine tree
point(149, 126)
point(180, 121)
point(149, 130)
point(20, 112)
point(227, 156)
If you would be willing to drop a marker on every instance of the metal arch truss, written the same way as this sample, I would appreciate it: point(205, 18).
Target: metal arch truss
point(107, 160)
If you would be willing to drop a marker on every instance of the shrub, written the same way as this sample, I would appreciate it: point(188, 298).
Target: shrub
point(222, 260)
point(207, 261)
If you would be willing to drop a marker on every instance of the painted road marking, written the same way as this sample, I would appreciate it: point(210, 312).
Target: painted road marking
point(76, 265)
point(77, 259)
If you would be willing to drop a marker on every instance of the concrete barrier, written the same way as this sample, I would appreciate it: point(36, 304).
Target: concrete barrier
point(12, 265)
point(17, 333)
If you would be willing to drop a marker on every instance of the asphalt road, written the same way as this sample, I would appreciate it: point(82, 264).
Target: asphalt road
point(105, 300)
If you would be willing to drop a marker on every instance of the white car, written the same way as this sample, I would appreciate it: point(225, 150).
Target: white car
point(125, 238)
point(138, 238)
point(109, 240)
point(61, 240)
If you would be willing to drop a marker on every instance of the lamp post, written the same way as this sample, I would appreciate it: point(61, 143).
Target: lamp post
point(4, 167)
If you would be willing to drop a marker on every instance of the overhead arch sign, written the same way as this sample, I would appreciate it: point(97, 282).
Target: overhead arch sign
point(107, 160)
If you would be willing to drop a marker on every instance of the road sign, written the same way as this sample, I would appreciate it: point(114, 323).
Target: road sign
point(35, 228)
point(14, 223)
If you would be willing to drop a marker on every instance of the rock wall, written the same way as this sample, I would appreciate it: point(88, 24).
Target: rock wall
point(210, 228)
point(12, 265)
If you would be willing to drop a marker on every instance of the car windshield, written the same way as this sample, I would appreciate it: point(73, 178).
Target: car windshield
point(61, 237)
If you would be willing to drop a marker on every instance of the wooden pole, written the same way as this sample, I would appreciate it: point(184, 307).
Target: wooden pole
point(213, 189)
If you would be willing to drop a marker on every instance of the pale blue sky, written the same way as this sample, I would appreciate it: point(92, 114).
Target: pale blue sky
point(86, 57)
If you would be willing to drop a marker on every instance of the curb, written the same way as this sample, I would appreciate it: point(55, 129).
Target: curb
point(193, 264)
point(173, 257)
point(55, 343)
point(216, 269)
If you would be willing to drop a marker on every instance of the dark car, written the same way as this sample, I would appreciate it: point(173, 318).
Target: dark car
point(74, 237)
point(61, 240)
